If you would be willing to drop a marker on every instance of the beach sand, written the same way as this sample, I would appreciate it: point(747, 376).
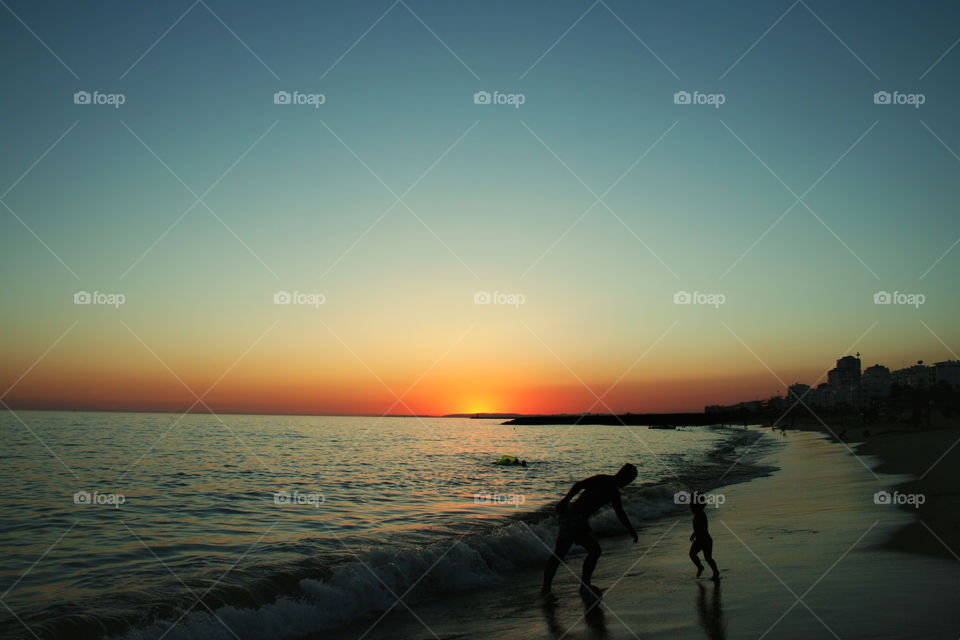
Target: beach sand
point(803, 553)
point(932, 458)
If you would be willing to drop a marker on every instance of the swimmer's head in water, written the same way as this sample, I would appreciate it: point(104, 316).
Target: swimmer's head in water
point(626, 474)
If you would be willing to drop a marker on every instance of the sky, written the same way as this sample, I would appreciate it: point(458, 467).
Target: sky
point(447, 253)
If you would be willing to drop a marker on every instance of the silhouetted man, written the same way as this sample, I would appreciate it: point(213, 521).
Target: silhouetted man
point(575, 526)
point(702, 541)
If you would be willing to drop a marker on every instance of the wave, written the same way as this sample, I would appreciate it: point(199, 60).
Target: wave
point(373, 581)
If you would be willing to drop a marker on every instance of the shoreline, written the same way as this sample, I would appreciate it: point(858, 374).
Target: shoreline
point(802, 553)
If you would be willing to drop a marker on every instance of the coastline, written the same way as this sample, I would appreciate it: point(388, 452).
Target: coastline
point(931, 458)
point(802, 552)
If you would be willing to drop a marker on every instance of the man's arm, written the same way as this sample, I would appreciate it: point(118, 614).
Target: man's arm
point(574, 490)
point(622, 516)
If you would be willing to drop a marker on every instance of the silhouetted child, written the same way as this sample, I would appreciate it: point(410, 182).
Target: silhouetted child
point(701, 536)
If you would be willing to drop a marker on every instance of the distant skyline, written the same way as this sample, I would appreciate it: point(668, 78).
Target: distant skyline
point(474, 207)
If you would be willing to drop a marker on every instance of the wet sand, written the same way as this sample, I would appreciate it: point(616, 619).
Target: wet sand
point(803, 553)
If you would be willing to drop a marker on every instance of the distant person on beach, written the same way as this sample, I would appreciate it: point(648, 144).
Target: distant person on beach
point(701, 536)
point(575, 526)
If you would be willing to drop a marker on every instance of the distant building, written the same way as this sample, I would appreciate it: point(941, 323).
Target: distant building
point(947, 371)
point(798, 392)
point(823, 395)
point(917, 376)
point(875, 382)
point(844, 380)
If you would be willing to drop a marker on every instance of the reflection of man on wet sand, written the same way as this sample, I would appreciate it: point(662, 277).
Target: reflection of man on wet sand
point(575, 526)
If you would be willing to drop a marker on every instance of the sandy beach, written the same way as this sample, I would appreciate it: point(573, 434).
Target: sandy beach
point(804, 553)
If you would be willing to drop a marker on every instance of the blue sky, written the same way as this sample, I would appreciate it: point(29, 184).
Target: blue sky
point(501, 195)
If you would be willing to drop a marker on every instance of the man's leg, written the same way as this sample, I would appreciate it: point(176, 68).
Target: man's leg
point(589, 543)
point(559, 552)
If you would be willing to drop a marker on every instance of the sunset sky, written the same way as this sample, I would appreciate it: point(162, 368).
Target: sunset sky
point(399, 198)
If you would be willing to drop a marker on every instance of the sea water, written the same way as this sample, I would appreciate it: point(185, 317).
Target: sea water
point(143, 525)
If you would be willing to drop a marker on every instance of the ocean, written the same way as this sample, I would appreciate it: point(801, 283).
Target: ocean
point(149, 525)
